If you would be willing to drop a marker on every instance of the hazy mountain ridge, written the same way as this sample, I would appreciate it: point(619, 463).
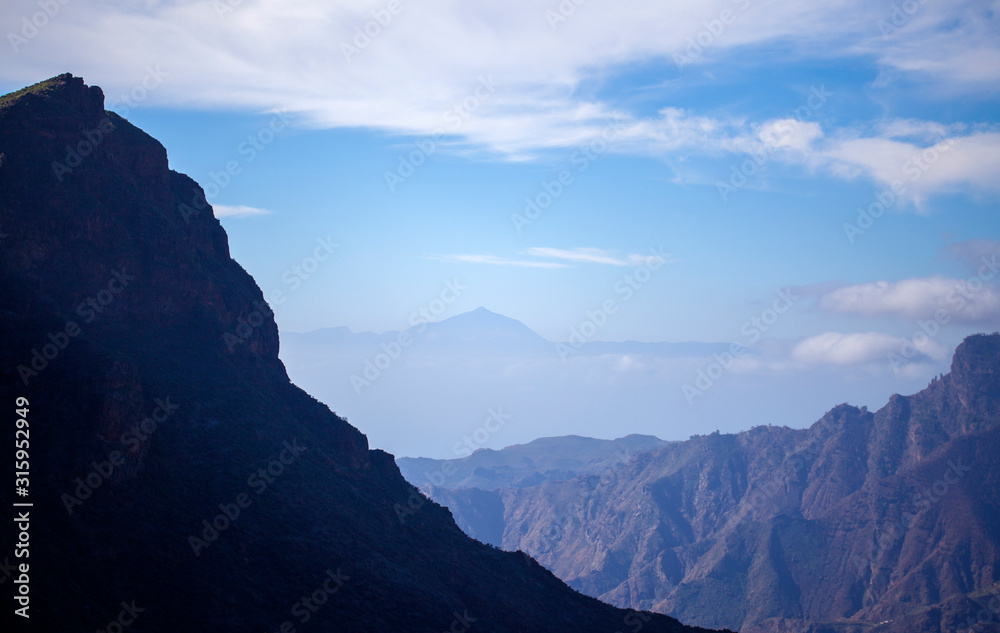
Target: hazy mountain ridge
point(880, 521)
point(186, 526)
point(448, 374)
point(483, 331)
point(521, 465)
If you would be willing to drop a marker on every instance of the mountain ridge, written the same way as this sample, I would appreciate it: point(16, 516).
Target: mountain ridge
point(560, 458)
point(186, 474)
point(479, 316)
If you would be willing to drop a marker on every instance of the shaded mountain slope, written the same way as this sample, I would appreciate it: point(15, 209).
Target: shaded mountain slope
point(177, 476)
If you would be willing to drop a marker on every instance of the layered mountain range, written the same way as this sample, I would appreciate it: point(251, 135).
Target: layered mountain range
point(450, 371)
point(886, 521)
point(177, 479)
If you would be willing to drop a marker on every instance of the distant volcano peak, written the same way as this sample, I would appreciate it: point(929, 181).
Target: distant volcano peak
point(483, 325)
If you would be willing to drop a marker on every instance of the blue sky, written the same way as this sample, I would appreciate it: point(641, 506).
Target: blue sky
point(646, 109)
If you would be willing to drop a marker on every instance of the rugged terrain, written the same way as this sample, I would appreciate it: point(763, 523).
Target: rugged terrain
point(885, 521)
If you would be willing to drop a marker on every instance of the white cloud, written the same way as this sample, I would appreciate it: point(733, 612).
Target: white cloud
point(238, 211)
point(914, 159)
point(789, 134)
point(955, 164)
point(969, 300)
point(836, 348)
point(953, 44)
point(313, 57)
point(503, 77)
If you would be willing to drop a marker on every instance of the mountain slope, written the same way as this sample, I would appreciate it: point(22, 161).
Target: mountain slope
point(876, 522)
point(470, 487)
point(178, 479)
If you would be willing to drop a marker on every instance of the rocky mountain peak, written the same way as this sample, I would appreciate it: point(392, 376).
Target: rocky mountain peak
point(64, 96)
point(975, 377)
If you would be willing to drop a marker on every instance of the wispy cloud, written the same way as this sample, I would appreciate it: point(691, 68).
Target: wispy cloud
point(238, 211)
point(582, 255)
point(597, 256)
point(495, 261)
point(952, 44)
point(590, 255)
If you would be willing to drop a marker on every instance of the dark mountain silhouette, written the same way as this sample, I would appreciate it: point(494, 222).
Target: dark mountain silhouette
point(885, 521)
point(178, 479)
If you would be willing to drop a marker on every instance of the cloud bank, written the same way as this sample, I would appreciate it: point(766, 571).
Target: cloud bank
point(419, 68)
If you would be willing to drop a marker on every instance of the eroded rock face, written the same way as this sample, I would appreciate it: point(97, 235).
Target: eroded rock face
point(887, 518)
point(179, 472)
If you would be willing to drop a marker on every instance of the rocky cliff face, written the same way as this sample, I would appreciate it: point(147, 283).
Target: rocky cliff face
point(864, 522)
point(182, 482)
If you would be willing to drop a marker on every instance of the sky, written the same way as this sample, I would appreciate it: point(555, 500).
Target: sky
point(841, 157)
